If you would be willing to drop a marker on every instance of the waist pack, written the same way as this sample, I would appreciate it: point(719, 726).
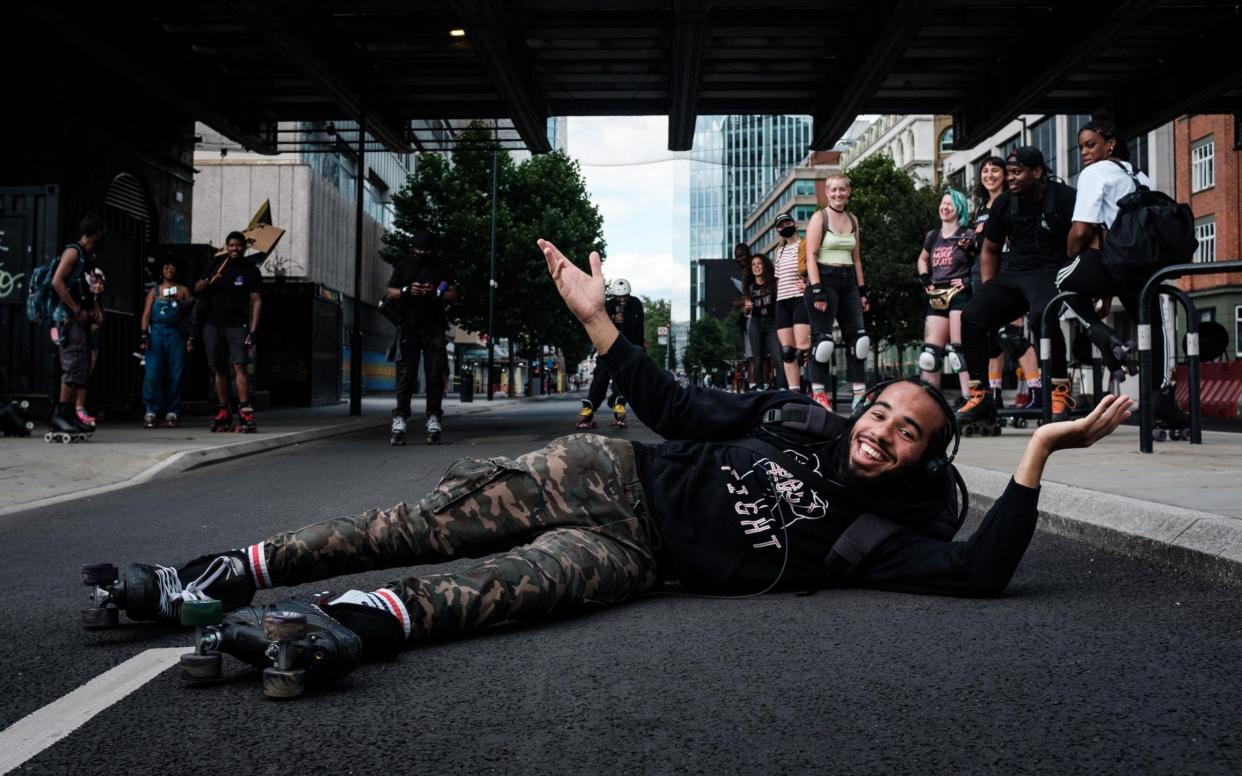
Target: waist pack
point(41, 298)
point(941, 298)
point(1151, 231)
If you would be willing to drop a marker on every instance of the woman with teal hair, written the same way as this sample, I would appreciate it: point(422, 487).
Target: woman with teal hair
point(944, 272)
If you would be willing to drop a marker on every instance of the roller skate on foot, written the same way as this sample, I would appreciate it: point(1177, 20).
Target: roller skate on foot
point(977, 417)
point(148, 420)
point(223, 421)
point(170, 420)
point(618, 415)
point(64, 428)
point(433, 429)
point(396, 434)
point(299, 642)
point(1063, 402)
point(586, 417)
point(1170, 421)
point(147, 592)
point(84, 418)
point(821, 398)
point(245, 421)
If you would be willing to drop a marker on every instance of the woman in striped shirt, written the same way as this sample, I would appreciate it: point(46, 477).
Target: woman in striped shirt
point(793, 329)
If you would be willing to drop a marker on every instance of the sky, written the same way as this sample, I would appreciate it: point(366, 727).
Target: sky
point(630, 174)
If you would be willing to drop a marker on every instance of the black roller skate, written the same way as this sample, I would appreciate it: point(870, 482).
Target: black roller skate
point(223, 421)
point(998, 401)
point(245, 421)
point(65, 428)
point(1114, 352)
point(149, 592)
point(1170, 421)
point(299, 641)
point(618, 415)
point(977, 417)
point(586, 417)
point(433, 429)
point(396, 434)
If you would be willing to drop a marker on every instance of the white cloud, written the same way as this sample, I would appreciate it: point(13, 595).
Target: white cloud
point(630, 174)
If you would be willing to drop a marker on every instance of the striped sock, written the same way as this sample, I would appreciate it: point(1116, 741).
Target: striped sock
point(256, 562)
point(383, 599)
point(994, 380)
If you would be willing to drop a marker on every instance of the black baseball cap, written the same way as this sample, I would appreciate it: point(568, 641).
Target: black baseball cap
point(1027, 156)
point(423, 241)
point(784, 217)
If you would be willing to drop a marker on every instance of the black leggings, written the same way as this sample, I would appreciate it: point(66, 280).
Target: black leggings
point(999, 301)
point(845, 307)
point(1086, 275)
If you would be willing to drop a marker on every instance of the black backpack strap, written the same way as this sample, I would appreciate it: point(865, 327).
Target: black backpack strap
point(854, 546)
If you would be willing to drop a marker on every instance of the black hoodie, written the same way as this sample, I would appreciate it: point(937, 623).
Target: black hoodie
point(731, 520)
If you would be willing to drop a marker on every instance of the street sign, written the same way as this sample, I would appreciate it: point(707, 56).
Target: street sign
point(662, 331)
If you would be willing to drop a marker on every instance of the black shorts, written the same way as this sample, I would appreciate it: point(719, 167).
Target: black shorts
point(225, 345)
point(958, 303)
point(790, 311)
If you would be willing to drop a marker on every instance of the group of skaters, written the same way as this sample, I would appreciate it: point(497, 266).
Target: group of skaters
point(988, 276)
point(219, 317)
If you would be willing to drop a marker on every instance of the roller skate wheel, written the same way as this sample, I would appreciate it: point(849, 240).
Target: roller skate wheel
point(197, 669)
point(201, 613)
point(1160, 435)
point(284, 626)
point(24, 404)
point(968, 431)
point(99, 618)
point(99, 574)
point(48, 437)
point(283, 684)
point(996, 430)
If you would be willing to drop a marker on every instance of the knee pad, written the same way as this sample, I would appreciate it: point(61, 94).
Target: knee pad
point(862, 346)
point(931, 358)
point(953, 357)
point(789, 354)
point(823, 350)
point(1011, 341)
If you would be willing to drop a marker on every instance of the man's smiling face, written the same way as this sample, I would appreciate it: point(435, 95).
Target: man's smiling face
point(894, 432)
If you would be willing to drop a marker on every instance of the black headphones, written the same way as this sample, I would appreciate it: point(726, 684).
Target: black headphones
point(934, 463)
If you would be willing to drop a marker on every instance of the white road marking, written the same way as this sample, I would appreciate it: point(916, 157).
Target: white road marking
point(35, 732)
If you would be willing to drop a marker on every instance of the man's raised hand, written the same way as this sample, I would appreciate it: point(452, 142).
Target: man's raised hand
point(583, 293)
point(1084, 432)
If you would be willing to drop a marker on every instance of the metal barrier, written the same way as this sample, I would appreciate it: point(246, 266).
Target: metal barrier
point(1156, 285)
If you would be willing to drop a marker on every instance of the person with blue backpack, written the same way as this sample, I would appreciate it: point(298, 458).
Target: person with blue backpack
point(72, 318)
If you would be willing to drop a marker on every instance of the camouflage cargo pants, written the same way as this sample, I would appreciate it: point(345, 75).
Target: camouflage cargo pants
point(565, 521)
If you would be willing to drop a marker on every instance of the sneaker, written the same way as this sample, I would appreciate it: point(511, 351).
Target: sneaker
point(84, 418)
point(1062, 401)
point(821, 398)
point(148, 420)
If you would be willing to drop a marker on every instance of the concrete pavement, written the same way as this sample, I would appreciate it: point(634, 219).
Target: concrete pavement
point(1181, 505)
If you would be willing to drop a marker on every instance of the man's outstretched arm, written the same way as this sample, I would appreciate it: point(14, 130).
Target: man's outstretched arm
point(983, 564)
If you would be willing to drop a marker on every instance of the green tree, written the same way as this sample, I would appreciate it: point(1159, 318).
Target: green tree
point(708, 349)
point(544, 196)
point(656, 313)
point(894, 217)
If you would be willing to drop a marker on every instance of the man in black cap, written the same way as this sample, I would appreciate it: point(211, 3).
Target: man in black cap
point(1029, 224)
point(419, 289)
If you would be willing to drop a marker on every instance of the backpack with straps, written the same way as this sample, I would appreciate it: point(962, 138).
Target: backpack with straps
point(41, 299)
point(1151, 231)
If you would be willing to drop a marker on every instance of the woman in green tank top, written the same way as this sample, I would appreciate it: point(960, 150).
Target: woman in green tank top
point(836, 291)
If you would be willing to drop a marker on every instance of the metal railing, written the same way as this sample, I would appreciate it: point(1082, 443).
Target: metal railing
point(1156, 285)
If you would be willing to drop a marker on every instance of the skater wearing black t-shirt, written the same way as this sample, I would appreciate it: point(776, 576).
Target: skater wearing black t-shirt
point(944, 268)
point(1033, 217)
point(420, 287)
point(228, 319)
point(759, 287)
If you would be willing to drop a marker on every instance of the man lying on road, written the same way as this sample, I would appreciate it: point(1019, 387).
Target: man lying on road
point(750, 493)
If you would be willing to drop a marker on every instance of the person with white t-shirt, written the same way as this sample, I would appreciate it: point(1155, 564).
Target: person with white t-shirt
point(1106, 177)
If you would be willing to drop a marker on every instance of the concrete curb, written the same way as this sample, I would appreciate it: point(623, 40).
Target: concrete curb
point(186, 460)
point(1204, 544)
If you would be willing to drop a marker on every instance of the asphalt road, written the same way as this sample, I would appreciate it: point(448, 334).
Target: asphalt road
point(1091, 663)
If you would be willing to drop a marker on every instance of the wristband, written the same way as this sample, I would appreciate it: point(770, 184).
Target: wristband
point(924, 279)
point(817, 292)
point(862, 289)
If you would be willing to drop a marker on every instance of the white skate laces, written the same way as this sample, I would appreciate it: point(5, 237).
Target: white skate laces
point(433, 424)
point(383, 599)
point(172, 594)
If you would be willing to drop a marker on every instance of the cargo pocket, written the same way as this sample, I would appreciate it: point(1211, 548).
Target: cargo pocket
point(471, 475)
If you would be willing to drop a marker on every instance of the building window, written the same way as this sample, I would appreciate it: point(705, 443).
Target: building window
point(1138, 153)
point(1044, 137)
point(1207, 315)
point(1202, 164)
point(946, 140)
point(1010, 144)
point(1075, 124)
point(1237, 131)
point(1205, 233)
point(1237, 330)
point(957, 180)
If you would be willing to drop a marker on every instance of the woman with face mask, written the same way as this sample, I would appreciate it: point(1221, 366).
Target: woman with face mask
point(836, 291)
point(792, 328)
